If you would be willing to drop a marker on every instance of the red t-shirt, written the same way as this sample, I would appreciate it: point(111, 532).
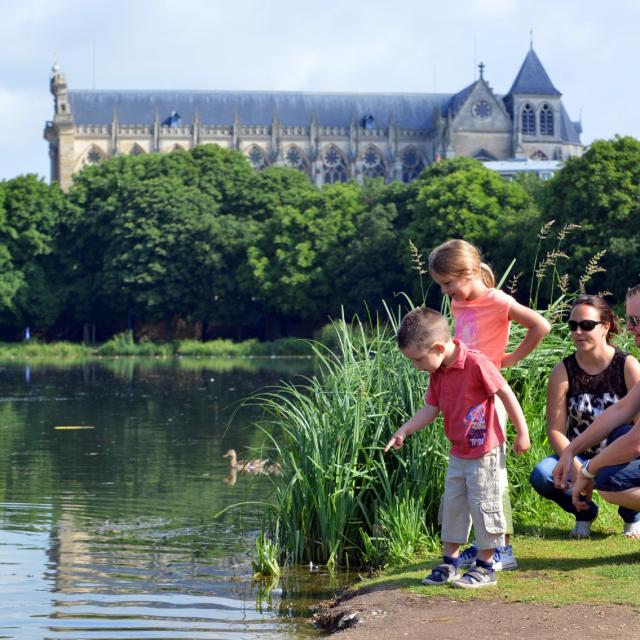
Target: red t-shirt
point(464, 392)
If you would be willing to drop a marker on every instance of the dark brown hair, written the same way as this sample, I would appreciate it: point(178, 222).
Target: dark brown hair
point(422, 327)
point(606, 314)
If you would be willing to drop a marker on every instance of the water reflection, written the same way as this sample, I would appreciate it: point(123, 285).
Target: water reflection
point(109, 532)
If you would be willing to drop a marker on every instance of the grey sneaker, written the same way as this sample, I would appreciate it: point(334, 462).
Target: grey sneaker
point(581, 530)
point(442, 574)
point(476, 578)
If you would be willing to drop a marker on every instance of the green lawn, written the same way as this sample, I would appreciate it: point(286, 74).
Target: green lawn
point(553, 569)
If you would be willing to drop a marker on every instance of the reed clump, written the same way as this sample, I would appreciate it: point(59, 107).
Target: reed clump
point(340, 500)
point(338, 488)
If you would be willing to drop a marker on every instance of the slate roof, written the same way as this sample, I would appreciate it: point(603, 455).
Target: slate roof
point(458, 99)
point(532, 79)
point(409, 110)
point(569, 131)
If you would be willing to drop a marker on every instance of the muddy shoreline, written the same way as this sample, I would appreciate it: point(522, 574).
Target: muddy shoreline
point(388, 612)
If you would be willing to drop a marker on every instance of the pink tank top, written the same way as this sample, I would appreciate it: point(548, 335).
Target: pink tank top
point(483, 324)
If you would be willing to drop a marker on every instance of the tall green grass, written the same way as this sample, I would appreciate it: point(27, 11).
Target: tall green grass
point(337, 484)
point(340, 499)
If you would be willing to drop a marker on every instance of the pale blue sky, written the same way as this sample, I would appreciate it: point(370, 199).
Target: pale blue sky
point(589, 48)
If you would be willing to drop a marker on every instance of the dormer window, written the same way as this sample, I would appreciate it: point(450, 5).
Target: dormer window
point(174, 120)
point(528, 120)
point(368, 122)
point(546, 121)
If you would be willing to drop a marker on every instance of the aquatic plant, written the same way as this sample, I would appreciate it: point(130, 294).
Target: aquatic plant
point(341, 500)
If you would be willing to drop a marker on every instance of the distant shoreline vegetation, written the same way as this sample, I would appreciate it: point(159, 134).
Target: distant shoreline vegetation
point(124, 345)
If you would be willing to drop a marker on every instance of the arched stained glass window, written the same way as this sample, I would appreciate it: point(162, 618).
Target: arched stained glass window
point(412, 164)
point(137, 150)
point(295, 159)
point(334, 166)
point(93, 156)
point(528, 120)
point(372, 163)
point(546, 121)
point(257, 157)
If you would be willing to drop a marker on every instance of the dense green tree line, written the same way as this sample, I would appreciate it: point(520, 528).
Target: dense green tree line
point(200, 235)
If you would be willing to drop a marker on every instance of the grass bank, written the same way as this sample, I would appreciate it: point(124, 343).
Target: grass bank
point(125, 345)
point(341, 501)
point(552, 569)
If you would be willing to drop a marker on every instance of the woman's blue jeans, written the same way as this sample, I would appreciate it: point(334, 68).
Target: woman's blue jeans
point(614, 478)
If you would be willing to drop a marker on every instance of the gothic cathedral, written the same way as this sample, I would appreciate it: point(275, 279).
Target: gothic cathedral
point(330, 136)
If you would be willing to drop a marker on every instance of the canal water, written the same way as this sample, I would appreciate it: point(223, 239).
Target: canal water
point(119, 517)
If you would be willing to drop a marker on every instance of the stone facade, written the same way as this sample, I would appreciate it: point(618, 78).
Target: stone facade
point(330, 137)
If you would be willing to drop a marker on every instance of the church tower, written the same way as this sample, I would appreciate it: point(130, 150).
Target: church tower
point(59, 132)
point(541, 125)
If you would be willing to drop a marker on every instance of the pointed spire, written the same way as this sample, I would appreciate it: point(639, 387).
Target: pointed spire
point(532, 78)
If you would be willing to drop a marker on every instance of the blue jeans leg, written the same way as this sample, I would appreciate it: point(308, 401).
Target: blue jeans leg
point(542, 481)
point(620, 477)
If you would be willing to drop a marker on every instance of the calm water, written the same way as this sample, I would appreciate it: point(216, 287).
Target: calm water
point(110, 531)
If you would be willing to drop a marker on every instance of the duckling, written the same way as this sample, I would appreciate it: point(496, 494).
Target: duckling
point(246, 466)
point(272, 469)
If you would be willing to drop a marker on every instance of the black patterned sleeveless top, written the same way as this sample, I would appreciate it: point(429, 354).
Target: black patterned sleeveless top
point(589, 396)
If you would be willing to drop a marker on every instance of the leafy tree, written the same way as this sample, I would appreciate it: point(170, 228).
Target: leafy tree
point(332, 250)
point(158, 235)
point(276, 187)
point(30, 211)
point(600, 192)
point(461, 198)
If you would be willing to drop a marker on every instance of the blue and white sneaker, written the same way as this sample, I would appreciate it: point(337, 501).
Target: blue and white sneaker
point(503, 558)
point(468, 556)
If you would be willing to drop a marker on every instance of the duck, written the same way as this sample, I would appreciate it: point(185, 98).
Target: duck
point(256, 465)
point(273, 469)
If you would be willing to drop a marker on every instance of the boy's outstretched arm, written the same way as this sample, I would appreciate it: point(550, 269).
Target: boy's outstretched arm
point(537, 328)
point(521, 442)
point(424, 416)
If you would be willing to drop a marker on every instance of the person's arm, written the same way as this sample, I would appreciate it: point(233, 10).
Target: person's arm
point(622, 412)
point(537, 328)
point(631, 376)
point(424, 416)
point(624, 449)
point(557, 390)
point(521, 442)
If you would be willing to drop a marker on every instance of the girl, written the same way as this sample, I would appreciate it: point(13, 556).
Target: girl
point(483, 316)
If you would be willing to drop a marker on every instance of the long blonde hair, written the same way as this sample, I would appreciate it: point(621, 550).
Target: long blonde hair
point(460, 259)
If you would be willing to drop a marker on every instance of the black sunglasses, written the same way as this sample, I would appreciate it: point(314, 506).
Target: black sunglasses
point(585, 325)
point(633, 321)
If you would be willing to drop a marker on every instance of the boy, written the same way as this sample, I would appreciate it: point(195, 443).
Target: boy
point(462, 386)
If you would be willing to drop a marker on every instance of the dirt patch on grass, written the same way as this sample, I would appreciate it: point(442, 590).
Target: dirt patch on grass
point(387, 613)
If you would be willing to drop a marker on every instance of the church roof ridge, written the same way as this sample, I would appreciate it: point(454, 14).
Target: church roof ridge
point(410, 110)
point(263, 92)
